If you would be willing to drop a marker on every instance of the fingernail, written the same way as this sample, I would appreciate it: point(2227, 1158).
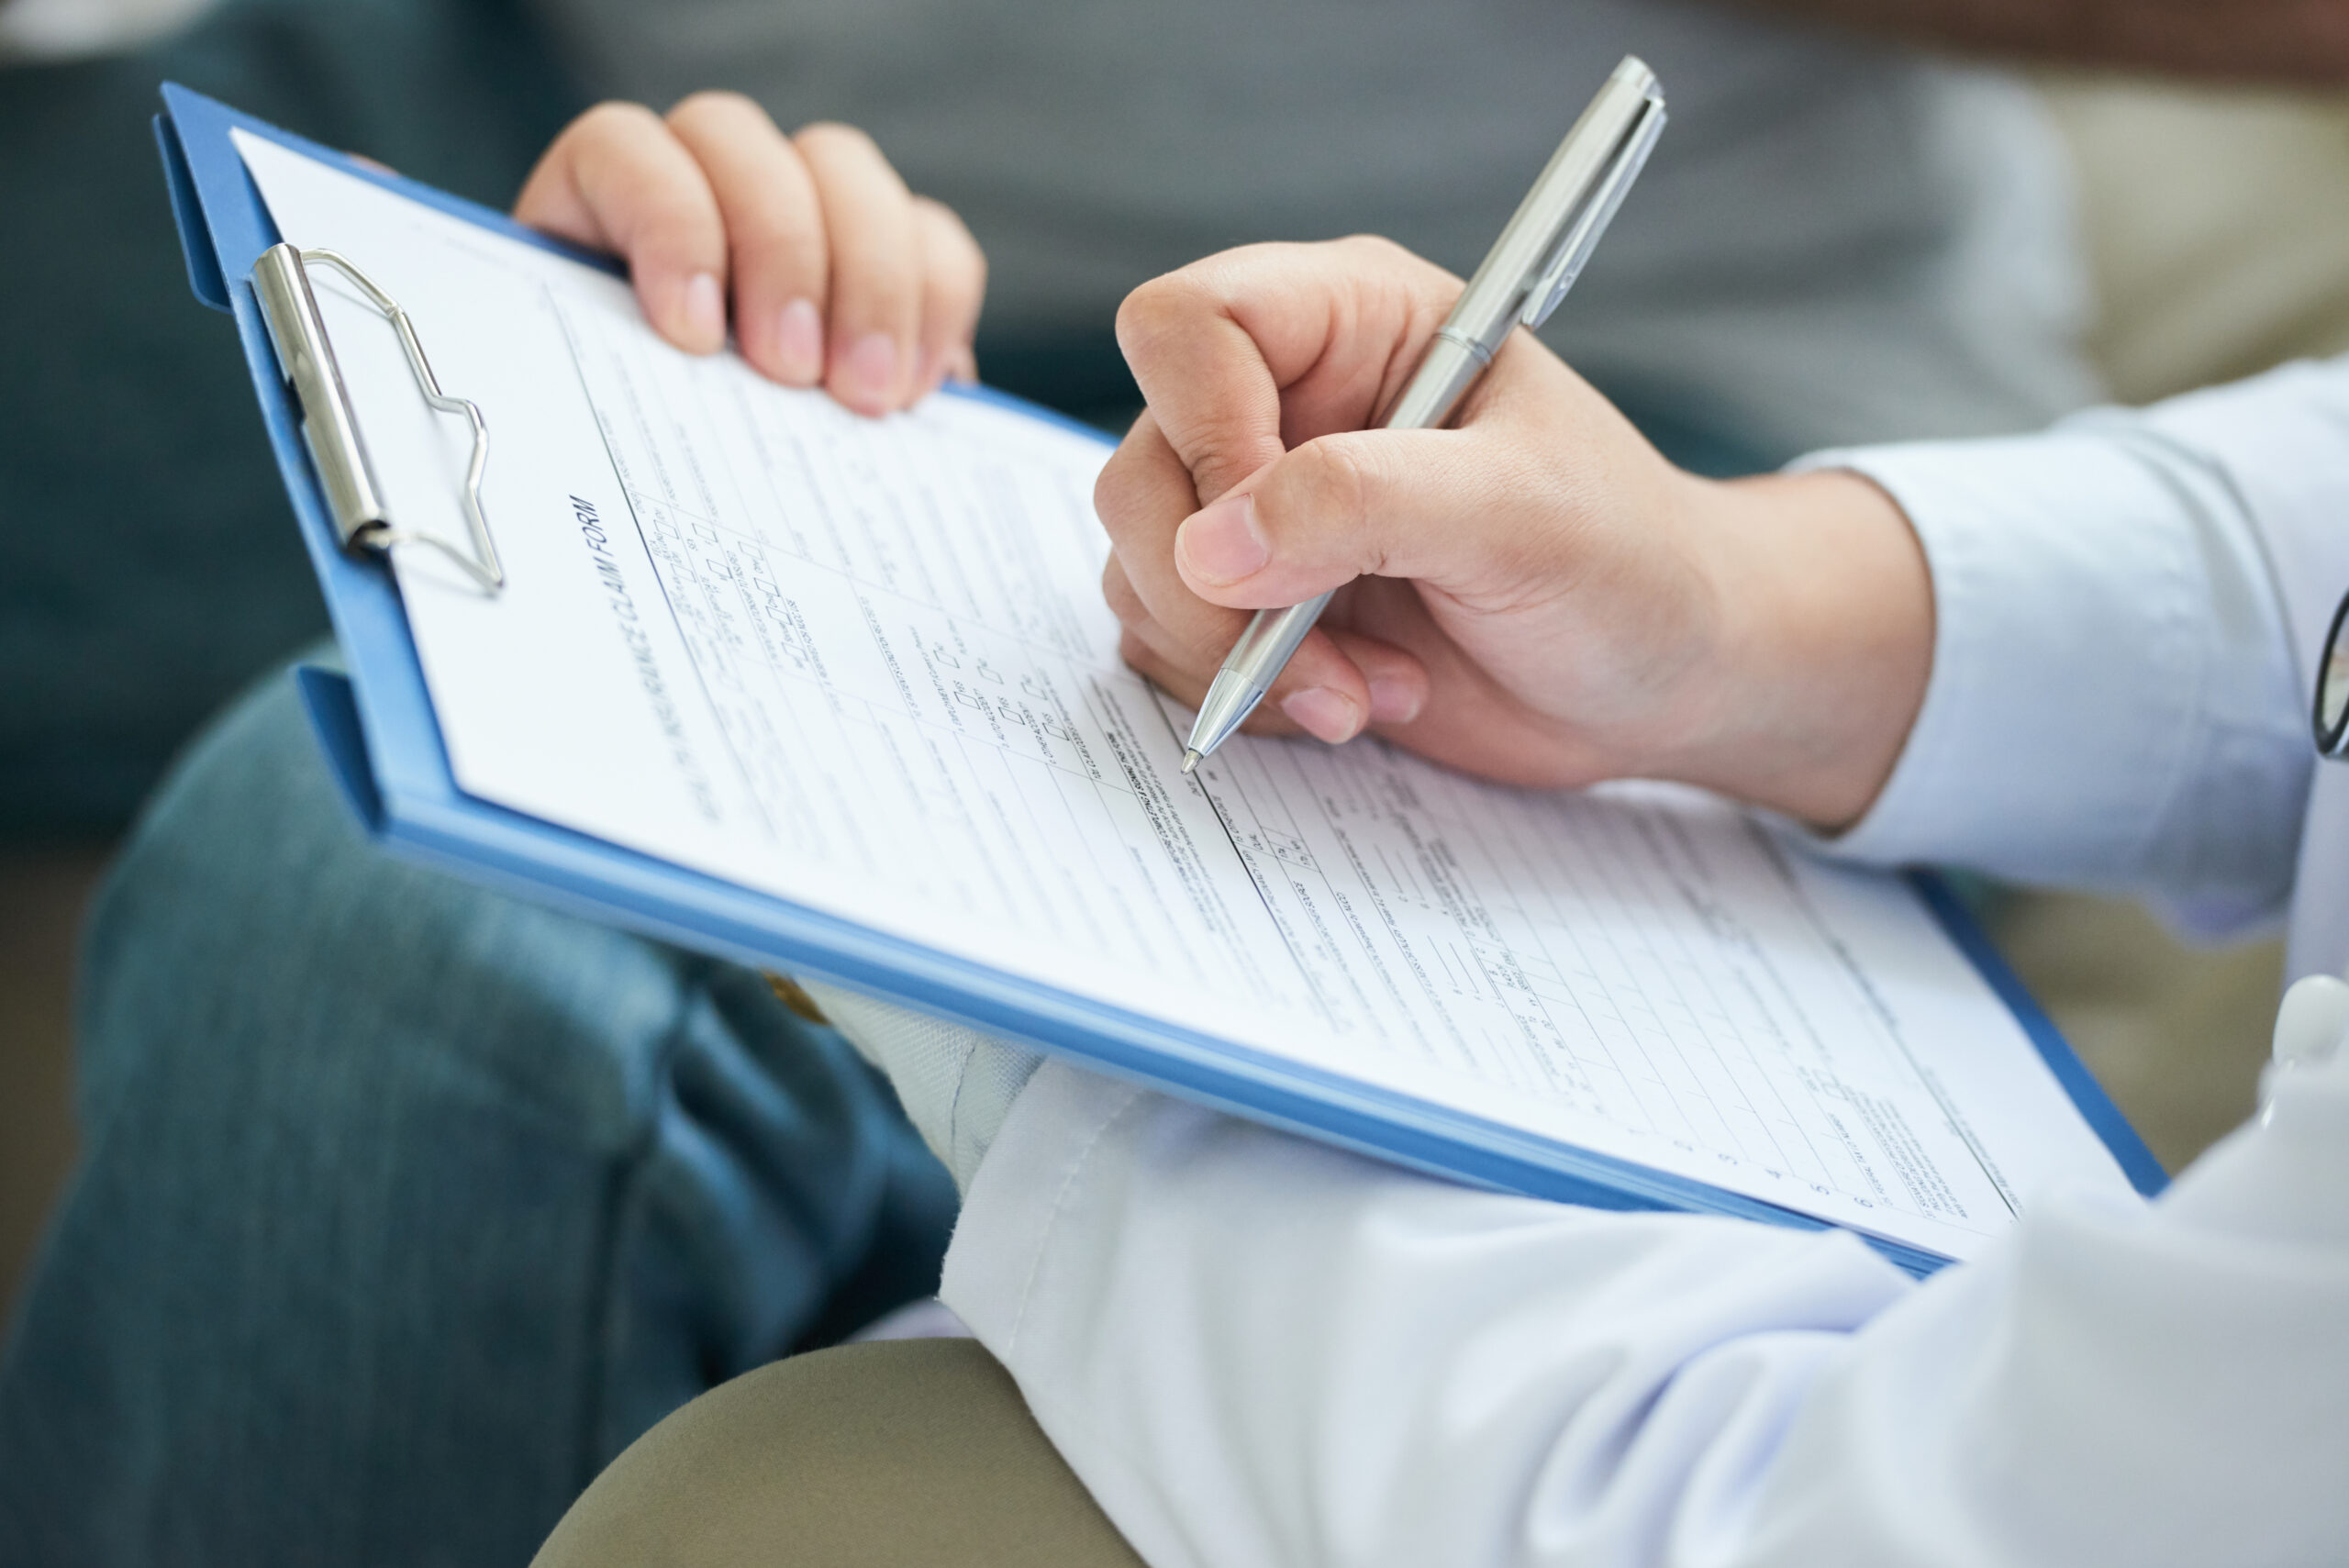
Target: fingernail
point(870, 371)
point(704, 309)
point(1323, 714)
point(799, 343)
point(1393, 701)
point(1221, 544)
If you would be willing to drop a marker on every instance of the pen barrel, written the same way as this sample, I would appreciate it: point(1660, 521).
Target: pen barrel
point(1443, 378)
point(1254, 664)
point(1529, 246)
point(1273, 635)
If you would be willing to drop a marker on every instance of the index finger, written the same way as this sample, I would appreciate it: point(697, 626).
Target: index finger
point(1176, 637)
point(774, 232)
point(1257, 350)
point(618, 180)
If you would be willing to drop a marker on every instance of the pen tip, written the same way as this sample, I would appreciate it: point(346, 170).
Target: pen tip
point(1190, 761)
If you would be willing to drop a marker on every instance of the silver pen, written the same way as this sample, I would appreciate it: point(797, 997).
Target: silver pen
point(1526, 273)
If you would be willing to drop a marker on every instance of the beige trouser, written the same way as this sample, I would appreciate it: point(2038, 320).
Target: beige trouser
point(909, 1452)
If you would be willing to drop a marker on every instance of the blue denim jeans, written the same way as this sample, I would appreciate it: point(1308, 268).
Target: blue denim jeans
point(404, 1207)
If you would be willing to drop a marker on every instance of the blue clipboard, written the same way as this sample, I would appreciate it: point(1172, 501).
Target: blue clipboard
point(379, 732)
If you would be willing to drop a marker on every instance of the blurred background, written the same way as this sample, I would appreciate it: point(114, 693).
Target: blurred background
point(149, 565)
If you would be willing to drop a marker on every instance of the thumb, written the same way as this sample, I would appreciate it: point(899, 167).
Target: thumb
point(1409, 504)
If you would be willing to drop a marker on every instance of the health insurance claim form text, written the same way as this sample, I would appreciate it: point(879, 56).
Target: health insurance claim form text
point(864, 665)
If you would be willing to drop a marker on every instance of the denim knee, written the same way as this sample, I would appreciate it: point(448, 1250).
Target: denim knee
point(404, 1205)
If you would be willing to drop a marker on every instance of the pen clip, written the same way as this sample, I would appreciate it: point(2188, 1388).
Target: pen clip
point(1582, 235)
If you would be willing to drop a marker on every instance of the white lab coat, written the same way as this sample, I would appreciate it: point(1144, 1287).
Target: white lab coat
point(1257, 1351)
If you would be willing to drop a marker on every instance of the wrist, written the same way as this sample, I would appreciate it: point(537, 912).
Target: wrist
point(1822, 645)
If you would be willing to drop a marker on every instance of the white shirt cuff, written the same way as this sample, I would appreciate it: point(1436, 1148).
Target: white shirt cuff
point(1012, 1202)
point(2067, 667)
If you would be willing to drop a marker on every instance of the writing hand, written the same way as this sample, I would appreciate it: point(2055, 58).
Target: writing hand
point(1533, 594)
point(839, 276)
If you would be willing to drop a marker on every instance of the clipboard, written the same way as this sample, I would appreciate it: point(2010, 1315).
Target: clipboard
point(384, 746)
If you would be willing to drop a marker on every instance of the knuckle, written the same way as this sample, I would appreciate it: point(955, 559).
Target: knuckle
point(1221, 454)
point(1158, 310)
point(1387, 255)
point(1111, 488)
point(1121, 490)
point(1134, 314)
point(1378, 254)
point(716, 108)
point(1232, 274)
point(1412, 285)
point(958, 262)
point(1123, 598)
point(820, 137)
point(943, 218)
point(614, 120)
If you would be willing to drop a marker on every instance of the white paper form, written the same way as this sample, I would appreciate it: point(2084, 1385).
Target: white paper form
point(864, 665)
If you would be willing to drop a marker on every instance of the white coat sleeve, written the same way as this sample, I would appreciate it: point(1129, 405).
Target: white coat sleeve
point(2128, 609)
point(1255, 1350)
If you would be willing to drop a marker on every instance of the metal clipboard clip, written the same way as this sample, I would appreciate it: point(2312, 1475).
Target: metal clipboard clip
point(282, 284)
